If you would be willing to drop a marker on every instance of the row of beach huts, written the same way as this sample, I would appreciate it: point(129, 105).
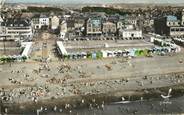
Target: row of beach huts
point(27, 48)
point(161, 48)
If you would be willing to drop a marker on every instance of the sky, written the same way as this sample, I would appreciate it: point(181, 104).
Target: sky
point(95, 1)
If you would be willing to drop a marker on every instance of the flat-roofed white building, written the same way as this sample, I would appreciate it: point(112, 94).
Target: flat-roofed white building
point(55, 22)
point(44, 20)
point(109, 27)
point(40, 20)
point(2, 27)
point(93, 26)
point(63, 29)
point(130, 33)
point(18, 28)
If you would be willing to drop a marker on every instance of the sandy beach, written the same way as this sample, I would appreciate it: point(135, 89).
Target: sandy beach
point(38, 82)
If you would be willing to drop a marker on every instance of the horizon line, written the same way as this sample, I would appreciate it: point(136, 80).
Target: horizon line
point(90, 3)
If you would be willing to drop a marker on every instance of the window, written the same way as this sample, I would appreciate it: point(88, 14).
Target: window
point(182, 29)
point(172, 29)
point(89, 25)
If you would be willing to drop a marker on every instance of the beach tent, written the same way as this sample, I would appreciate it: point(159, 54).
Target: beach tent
point(145, 52)
point(99, 55)
point(137, 52)
point(115, 53)
point(104, 54)
point(94, 55)
point(132, 52)
point(173, 49)
point(78, 55)
point(126, 52)
point(158, 42)
point(109, 54)
point(19, 57)
point(168, 49)
point(150, 50)
point(84, 55)
point(14, 57)
point(119, 53)
point(68, 56)
point(89, 55)
point(65, 56)
point(141, 52)
point(3, 58)
point(71, 56)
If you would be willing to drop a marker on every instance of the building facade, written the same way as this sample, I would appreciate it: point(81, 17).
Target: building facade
point(168, 26)
point(182, 18)
point(63, 29)
point(79, 22)
point(55, 22)
point(40, 20)
point(130, 34)
point(93, 26)
point(19, 28)
point(2, 27)
point(109, 28)
point(44, 20)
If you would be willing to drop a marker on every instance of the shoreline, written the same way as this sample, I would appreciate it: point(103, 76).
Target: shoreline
point(107, 98)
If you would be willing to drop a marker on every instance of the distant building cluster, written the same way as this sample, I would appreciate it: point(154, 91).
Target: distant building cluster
point(170, 25)
point(76, 25)
point(69, 26)
point(14, 28)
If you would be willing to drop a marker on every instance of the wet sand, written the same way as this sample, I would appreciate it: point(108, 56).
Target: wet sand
point(141, 102)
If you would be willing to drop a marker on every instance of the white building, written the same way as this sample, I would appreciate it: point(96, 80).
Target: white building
point(40, 20)
point(55, 22)
point(63, 29)
point(128, 27)
point(130, 33)
point(18, 28)
point(125, 25)
point(182, 18)
point(2, 27)
point(44, 20)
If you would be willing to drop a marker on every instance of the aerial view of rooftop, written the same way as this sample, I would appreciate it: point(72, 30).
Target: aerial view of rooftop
point(97, 57)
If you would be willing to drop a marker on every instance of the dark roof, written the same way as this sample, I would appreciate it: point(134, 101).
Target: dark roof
point(2, 24)
point(36, 16)
point(171, 18)
point(70, 23)
point(44, 16)
point(17, 22)
point(41, 16)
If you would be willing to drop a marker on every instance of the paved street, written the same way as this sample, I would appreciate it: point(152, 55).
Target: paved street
point(44, 46)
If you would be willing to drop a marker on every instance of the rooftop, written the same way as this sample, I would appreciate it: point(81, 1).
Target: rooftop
point(17, 22)
point(95, 21)
point(171, 18)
